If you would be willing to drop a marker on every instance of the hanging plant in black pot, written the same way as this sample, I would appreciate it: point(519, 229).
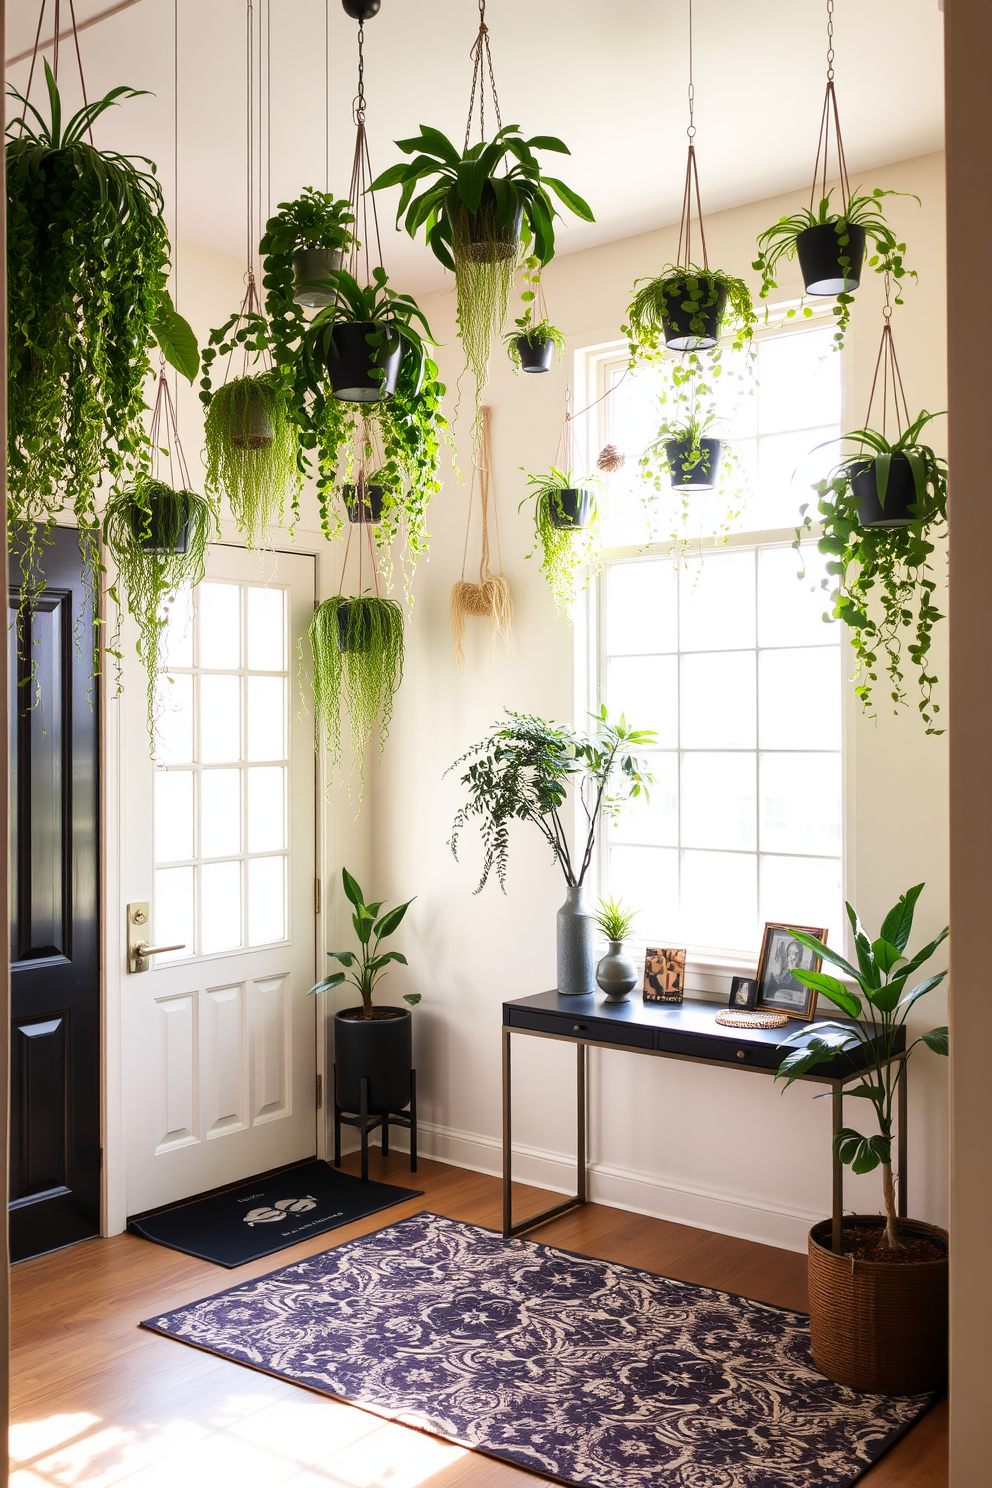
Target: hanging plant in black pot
point(363, 503)
point(566, 533)
point(534, 342)
point(364, 336)
point(305, 240)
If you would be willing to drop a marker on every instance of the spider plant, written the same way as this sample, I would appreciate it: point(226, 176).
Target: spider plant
point(567, 532)
point(534, 340)
point(477, 208)
point(689, 308)
point(866, 215)
point(884, 585)
point(357, 650)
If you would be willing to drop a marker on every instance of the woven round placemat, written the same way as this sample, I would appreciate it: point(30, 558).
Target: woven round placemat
point(734, 1019)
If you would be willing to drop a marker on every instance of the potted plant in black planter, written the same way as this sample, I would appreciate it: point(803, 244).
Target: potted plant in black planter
point(566, 530)
point(304, 241)
point(879, 510)
point(878, 1310)
point(831, 246)
point(521, 771)
point(251, 451)
point(371, 1043)
point(686, 308)
point(363, 336)
point(363, 503)
point(534, 341)
point(477, 207)
point(357, 649)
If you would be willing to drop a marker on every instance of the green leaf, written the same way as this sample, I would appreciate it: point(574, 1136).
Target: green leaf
point(921, 989)
point(827, 953)
point(571, 199)
point(936, 1039)
point(548, 142)
point(898, 923)
point(819, 981)
point(175, 339)
point(363, 926)
point(412, 998)
point(334, 980)
point(352, 892)
point(391, 920)
point(917, 961)
point(869, 1092)
point(886, 955)
point(347, 958)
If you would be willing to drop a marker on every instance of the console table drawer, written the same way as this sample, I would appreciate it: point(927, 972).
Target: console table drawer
point(572, 1026)
point(706, 1046)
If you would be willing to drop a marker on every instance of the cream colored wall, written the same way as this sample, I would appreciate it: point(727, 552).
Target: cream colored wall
point(684, 1142)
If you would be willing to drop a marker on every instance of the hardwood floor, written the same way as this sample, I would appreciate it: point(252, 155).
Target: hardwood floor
point(97, 1402)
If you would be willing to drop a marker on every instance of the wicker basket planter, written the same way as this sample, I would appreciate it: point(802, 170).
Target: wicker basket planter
point(877, 1325)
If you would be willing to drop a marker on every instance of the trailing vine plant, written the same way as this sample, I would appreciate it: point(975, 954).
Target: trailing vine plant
point(88, 264)
point(570, 552)
point(532, 329)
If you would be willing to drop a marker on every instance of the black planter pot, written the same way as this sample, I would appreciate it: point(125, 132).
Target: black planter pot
point(250, 423)
point(570, 508)
point(900, 507)
point(361, 373)
point(354, 634)
point(378, 1049)
point(148, 529)
point(694, 466)
point(820, 256)
point(488, 243)
point(680, 334)
point(536, 353)
point(310, 264)
point(367, 512)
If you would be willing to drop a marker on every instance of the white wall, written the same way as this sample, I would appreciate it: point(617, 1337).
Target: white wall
point(683, 1142)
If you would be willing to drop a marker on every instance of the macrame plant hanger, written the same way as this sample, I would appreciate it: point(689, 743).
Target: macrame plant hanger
point(830, 125)
point(892, 393)
point(251, 305)
point(39, 46)
point(690, 191)
point(490, 597)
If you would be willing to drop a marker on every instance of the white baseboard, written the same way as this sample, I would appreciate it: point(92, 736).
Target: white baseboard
point(743, 1216)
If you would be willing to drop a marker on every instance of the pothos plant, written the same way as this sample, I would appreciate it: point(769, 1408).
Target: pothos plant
point(694, 294)
point(533, 325)
point(88, 265)
point(777, 244)
point(686, 420)
point(570, 552)
point(478, 208)
point(883, 576)
point(371, 928)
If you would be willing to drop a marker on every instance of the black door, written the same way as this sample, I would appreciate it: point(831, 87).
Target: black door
point(55, 940)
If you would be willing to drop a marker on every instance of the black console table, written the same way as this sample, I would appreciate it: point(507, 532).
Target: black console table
point(689, 1032)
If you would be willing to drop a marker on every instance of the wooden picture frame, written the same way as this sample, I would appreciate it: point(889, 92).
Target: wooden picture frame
point(743, 993)
point(778, 990)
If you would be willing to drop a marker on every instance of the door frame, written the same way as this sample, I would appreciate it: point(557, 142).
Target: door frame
point(307, 542)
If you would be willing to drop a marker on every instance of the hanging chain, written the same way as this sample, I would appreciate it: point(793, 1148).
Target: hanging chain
point(480, 47)
point(358, 107)
point(691, 131)
point(830, 41)
point(362, 200)
point(887, 363)
point(690, 188)
point(250, 140)
point(830, 122)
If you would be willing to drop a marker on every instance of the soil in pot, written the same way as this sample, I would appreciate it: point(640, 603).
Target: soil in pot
point(879, 1324)
point(901, 505)
point(536, 353)
point(312, 264)
point(367, 511)
point(570, 508)
point(157, 534)
point(379, 1048)
point(820, 255)
point(361, 373)
point(697, 328)
point(695, 465)
point(250, 424)
point(354, 627)
point(487, 242)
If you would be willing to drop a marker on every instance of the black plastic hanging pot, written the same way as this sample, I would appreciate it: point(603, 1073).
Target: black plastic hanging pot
point(820, 258)
point(487, 241)
point(158, 533)
point(697, 328)
point(570, 507)
point(901, 506)
point(694, 464)
point(311, 264)
point(250, 422)
point(365, 509)
point(379, 1050)
point(354, 626)
point(361, 373)
point(536, 353)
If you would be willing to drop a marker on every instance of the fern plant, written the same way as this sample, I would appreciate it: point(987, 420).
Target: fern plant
point(567, 549)
point(357, 651)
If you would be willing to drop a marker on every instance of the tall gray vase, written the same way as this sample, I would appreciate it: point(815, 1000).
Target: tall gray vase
point(576, 960)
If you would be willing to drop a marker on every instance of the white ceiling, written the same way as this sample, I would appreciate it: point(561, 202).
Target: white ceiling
point(608, 76)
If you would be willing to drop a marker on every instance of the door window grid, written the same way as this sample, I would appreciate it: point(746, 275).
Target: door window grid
point(221, 780)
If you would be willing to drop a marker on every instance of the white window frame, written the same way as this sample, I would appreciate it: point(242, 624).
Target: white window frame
point(708, 973)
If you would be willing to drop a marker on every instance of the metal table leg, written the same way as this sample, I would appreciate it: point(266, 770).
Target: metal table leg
point(509, 1228)
point(902, 1116)
point(837, 1228)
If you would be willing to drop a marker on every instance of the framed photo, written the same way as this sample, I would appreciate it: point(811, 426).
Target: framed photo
point(743, 993)
point(664, 975)
point(781, 955)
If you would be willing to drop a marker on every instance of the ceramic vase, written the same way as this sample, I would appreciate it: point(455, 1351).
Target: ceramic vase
point(576, 961)
point(617, 973)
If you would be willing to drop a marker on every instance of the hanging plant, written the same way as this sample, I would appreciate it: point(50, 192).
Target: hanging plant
point(688, 459)
point(304, 241)
point(687, 308)
point(566, 530)
point(357, 649)
point(534, 341)
point(87, 263)
point(251, 452)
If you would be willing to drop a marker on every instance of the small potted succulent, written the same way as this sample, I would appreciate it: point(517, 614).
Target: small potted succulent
point(687, 308)
point(533, 342)
point(305, 241)
point(371, 1042)
point(617, 973)
point(357, 649)
point(878, 1310)
point(566, 530)
point(879, 510)
point(831, 248)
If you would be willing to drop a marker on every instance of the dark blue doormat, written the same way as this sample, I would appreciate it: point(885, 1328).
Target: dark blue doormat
point(268, 1214)
point(591, 1373)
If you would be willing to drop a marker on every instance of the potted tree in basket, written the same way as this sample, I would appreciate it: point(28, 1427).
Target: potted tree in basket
point(566, 529)
point(371, 1042)
point(878, 1310)
point(521, 771)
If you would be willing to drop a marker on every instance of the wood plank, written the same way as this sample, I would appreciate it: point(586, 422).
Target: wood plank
point(97, 1400)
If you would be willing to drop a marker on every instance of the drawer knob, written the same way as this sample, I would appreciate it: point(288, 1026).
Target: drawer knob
point(578, 1028)
point(741, 1054)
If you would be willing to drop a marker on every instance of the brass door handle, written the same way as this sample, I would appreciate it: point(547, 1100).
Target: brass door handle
point(144, 950)
point(138, 949)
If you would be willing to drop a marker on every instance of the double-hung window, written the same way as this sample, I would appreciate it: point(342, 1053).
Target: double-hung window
point(724, 653)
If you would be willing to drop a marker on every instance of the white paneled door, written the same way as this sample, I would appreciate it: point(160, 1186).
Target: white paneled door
point(218, 1038)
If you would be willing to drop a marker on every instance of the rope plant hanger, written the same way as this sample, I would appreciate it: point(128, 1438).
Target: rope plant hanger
point(830, 236)
point(566, 518)
point(490, 597)
point(251, 443)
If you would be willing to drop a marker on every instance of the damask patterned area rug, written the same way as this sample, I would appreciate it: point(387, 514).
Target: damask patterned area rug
point(585, 1371)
